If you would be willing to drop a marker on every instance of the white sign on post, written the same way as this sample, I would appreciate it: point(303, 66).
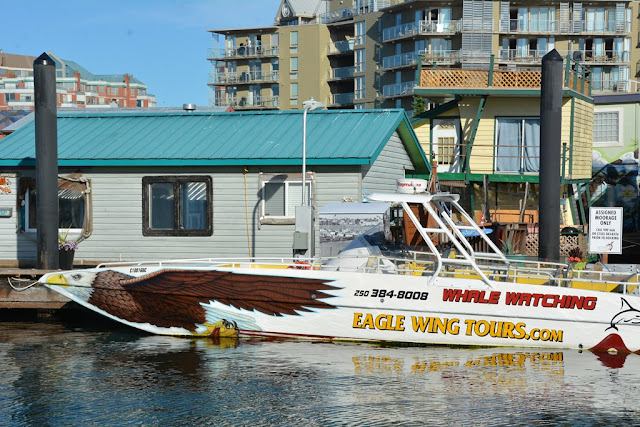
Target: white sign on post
point(605, 230)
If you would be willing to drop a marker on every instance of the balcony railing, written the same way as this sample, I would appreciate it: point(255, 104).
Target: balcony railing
point(420, 28)
point(402, 60)
point(344, 46)
point(398, 89)
point(605, 57)
point(246, 77)
point(541, 26)
point(336, 15)
point(243, 102)
point(366, 6)
point(244, 52)
point(341, 73)
point(342, 98)
point(442, 57)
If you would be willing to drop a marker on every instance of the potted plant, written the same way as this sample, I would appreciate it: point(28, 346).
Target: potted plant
point(66, 251)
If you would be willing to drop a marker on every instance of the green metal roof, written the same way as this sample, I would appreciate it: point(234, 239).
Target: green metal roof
point(334, 137)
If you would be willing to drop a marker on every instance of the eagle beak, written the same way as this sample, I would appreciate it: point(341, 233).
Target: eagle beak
point(56, 279)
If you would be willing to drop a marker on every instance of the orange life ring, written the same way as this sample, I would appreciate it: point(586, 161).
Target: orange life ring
point(300, 265)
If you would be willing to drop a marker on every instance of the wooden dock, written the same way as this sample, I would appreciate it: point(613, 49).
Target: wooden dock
point(34, 296)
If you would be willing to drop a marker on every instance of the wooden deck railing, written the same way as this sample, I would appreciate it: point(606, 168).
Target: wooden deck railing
point(502, 79)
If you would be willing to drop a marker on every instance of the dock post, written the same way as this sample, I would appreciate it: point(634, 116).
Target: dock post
point(46, 133)
point(550, 143)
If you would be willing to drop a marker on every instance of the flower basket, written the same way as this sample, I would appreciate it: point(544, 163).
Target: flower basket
point(66, 252)
point(65, 259)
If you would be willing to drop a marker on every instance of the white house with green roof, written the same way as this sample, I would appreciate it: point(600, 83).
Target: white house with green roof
point(157, 185)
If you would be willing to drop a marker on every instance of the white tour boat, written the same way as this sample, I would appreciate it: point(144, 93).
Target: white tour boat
point(375, 290)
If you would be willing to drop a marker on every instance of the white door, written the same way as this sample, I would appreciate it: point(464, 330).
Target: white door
point(446, 144)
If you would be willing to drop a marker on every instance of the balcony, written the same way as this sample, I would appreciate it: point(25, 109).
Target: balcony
point(341, 73)
point(336, 15)
point(591, 57)
point(446, 57)
point(398, 89)
point(245, 77)
point(262, 51)
point(367, 6)
point(258, 102)
point(424, 27)
point(617, 86)
point(538, 26)
point(399, 61)
point(341, 47)
point(341, 99)
point(521, 55)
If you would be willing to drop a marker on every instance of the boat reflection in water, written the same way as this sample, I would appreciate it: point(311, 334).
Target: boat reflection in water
point(56, 375)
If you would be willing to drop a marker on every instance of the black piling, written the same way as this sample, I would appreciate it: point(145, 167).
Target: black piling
point(46, 127)
point(550, 155)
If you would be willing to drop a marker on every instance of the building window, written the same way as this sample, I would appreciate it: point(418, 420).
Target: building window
point(359, 33)
point(359, 62)
point(294, 93)
point(280, 194)
point(293, 45)
point(74, 201)
point(294, 67)
point(606, 127)
point(177, 206)
point(359, 82)
point(517, 145)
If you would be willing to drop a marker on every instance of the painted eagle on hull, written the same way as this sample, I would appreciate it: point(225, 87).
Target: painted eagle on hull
point(183, 298)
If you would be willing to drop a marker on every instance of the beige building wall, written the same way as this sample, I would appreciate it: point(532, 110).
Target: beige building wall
point(313, 65)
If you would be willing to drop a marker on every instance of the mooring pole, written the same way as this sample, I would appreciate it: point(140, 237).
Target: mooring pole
point(46, 127)
point(550, 143)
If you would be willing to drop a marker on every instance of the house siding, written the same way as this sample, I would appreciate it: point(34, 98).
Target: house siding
point(389, 166)
point(117, 216)
point(582, 139)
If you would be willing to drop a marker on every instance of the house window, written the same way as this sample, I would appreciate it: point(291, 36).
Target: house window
point(280, 194)
point(517, 145)
point(294, 67)
point(177, 206)
point(606, 127)
point(74, 201)
point(293, 45)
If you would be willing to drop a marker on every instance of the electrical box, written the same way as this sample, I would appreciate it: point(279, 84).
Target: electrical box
point(300, 241)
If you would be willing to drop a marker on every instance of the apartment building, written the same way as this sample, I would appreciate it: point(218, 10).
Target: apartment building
point(75, 86)
point(368, 53)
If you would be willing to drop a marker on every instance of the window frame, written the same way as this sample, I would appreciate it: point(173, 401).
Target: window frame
point(71, 233)
point(620, 112)
point(286, 178)
point(177, 181)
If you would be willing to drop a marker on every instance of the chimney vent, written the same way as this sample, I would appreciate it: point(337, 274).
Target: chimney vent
point(189, 107)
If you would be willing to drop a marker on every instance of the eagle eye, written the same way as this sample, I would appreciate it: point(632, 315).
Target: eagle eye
point(76, 276)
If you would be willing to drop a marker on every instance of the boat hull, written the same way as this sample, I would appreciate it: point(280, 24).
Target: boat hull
point(318, 304)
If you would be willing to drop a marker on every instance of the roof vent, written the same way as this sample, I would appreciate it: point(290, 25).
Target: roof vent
point(189, 107)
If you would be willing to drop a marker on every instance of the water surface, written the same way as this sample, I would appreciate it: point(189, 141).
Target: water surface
point(60, 373)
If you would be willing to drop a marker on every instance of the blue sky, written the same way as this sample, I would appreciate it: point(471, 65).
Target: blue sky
point(163, 43)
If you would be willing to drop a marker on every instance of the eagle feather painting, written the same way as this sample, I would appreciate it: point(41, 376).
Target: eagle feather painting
point(192, 302)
